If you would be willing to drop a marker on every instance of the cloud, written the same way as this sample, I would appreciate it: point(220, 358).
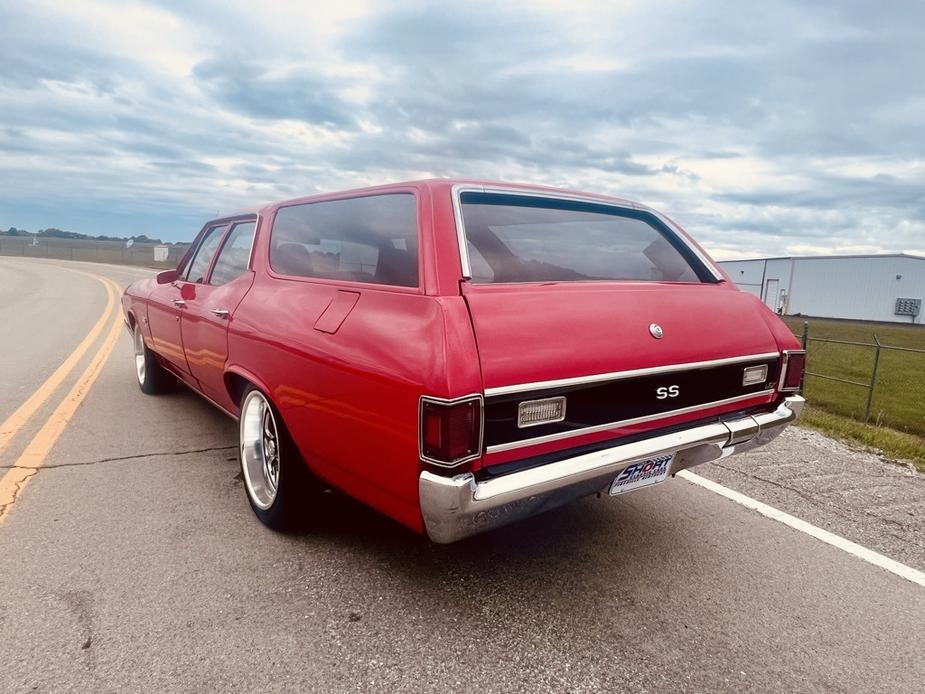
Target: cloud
point(761, 130)
point(292, 94)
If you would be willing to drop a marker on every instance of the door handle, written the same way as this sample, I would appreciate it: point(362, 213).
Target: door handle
point(179, 303)
point(220, 312)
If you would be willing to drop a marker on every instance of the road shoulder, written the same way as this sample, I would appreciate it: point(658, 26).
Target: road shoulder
point(849, 492)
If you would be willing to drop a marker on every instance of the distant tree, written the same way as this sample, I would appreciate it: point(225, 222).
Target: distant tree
point(142, 238)
point(52, 232)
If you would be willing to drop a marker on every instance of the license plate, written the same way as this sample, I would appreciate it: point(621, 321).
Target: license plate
point(645, 473)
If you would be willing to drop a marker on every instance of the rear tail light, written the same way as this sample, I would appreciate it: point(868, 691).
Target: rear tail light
point(451, 430)
point(791, 377)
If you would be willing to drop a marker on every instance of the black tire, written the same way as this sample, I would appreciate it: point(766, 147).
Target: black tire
point(288, 507)
point(153, 378)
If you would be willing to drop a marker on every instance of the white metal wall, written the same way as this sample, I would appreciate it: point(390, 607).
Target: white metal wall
point(861, 288)
point(747, 274)
point(769, 280)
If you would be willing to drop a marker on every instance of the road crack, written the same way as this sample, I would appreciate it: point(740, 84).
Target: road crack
point(17, 488)
point(155, 454)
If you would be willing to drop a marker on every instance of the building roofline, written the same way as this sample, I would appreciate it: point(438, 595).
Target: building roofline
point(825, 257)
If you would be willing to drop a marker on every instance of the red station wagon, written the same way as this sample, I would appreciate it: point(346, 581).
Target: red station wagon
point(463, 354)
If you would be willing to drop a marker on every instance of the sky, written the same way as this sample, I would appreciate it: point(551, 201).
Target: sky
point(772, 128)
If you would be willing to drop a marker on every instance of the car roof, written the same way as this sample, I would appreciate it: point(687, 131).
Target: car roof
point(436, 184)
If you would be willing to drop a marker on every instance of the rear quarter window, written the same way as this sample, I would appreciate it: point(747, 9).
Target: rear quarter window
point(370, 239)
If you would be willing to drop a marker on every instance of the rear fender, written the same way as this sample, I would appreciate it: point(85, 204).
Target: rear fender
point(782, 335)
point(235, 373)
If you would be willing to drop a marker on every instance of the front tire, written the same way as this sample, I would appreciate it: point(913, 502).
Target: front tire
point(277, 482)
point(152, 377)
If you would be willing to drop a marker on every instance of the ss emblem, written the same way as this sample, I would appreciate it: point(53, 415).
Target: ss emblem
point(667, 392)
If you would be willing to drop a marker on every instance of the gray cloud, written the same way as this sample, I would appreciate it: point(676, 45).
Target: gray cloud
point(247, 87)
point(762, 128)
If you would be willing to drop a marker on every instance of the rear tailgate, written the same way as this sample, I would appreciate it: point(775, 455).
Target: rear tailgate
point(592, 344)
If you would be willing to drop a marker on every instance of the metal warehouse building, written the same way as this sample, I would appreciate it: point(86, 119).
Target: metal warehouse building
point(860, 287)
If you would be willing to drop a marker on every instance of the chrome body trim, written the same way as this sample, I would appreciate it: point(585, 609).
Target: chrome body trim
point(555, 195)
point(619, 375)
point(681, 235)
point(465, 264)
point(497, 448)
point(456, 507)
point(453, 401)
point(250, 255)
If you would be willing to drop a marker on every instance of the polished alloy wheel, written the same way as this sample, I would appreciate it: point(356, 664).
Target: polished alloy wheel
point(139, 356)
point(259, 449)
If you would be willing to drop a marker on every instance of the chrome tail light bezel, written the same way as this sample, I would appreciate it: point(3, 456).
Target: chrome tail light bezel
point(425, 399)
point(785, 369)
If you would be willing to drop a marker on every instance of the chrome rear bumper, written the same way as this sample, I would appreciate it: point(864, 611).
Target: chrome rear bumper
point(456, 507)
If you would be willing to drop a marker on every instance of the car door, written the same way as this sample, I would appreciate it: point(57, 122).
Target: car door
point(209, 307)
point(166, 302)
point(164, 322)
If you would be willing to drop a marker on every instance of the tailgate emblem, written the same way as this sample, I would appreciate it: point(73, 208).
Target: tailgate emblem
point(656, 331)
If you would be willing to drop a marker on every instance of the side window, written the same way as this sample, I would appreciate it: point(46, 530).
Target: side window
point(199, 265)
point(235, 255)
point(370, 239)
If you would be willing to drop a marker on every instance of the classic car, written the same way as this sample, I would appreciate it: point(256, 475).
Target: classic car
point(463, 354)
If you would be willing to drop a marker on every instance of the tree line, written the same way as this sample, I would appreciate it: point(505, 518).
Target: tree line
point(54, 233)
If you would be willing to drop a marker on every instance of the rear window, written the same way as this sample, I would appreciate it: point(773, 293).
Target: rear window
point(514, 238)
point(371, 239)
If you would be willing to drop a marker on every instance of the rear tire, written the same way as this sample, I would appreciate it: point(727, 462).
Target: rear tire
point(152, 377)
point(277, 482)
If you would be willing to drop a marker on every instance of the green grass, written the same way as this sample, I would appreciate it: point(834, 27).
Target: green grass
point(892, 444)
point(897, 414)
point(899, 394)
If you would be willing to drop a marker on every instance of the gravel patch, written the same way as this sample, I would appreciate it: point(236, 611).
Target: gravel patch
point(857, 494)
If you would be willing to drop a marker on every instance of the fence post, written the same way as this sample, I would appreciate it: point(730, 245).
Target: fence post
point(804, 341)
point(873, 379)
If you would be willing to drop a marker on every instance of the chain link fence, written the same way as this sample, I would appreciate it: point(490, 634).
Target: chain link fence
point(141, 253)
point(869, 381)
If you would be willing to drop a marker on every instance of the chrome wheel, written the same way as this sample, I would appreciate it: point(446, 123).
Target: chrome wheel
point(259, 449)
point(139, 356)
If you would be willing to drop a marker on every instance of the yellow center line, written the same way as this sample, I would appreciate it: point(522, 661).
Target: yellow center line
point(16, 421)
point(35, 453)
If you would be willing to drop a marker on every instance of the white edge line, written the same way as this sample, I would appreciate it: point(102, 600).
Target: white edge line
point(841, 543)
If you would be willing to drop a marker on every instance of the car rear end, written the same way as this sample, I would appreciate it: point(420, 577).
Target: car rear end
point(613, 353)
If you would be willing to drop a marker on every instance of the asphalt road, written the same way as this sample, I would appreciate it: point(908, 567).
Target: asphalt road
point(131, 562)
